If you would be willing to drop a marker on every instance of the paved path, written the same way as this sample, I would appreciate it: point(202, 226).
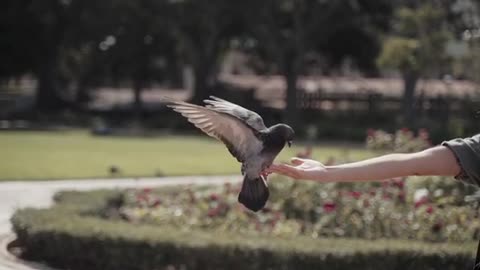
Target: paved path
point(14, 195)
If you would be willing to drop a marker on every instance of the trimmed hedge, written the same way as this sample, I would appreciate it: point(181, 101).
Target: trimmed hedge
point(68, 236)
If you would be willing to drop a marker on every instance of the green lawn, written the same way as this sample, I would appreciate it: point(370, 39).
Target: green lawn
point(77, 154)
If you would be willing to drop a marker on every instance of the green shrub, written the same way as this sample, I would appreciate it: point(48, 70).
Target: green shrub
point(363, 210)
point(64, 236)
point(402, 141)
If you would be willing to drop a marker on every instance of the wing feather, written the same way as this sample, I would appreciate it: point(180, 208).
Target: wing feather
point(240, 138)
point(249, 117)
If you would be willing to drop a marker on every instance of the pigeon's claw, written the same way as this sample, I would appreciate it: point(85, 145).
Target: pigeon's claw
point(265, 174)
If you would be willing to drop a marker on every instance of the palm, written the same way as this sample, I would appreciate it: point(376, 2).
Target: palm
point(302, 169)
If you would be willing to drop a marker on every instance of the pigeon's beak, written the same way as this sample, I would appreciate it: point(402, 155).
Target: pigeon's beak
point(289, 143)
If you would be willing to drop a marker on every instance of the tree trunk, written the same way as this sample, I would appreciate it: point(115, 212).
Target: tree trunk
point(138, 86)
point(82, 96)
point(291, 78)
point(174, 70)
point(140, 77)
point(410, 81)
point(201, 85)
point(47, 99)
point(203, 54)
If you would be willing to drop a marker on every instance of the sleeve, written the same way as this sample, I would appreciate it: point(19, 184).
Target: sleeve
point(467, 153)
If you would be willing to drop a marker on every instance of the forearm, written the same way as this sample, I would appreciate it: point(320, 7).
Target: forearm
point(434, 161)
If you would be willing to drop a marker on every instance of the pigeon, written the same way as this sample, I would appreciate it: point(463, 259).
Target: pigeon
point(246, 138)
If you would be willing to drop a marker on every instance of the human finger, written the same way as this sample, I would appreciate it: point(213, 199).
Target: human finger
point(297, 161)
point(288, 170)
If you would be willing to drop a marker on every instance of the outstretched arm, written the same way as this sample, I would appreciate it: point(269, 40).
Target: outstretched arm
point(438, 160)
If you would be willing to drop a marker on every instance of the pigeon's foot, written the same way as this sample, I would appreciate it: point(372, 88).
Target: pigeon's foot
point(265, 174)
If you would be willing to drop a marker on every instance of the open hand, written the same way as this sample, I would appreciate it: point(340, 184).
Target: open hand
point(302, 169)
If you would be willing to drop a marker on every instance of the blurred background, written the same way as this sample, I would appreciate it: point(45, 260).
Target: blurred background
point(332, 69)
point(81, 88)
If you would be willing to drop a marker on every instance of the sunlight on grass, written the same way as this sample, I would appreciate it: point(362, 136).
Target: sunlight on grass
point(77, 154)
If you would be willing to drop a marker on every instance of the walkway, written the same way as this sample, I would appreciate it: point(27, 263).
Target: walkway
point(14, 195)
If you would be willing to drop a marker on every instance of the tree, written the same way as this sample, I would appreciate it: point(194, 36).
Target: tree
point(17, 58)
point(203, 29)
point(288, 30)
point(468, 31)
point(82, 59)
point(416, 49)
point(39, 34)
point(134, 47)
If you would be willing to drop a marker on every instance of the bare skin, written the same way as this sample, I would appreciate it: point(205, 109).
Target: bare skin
point(437, 160)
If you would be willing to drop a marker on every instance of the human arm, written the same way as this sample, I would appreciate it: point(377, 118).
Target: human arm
point(439, 160)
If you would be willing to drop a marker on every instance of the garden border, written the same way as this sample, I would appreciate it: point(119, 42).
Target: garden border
point(52, 235)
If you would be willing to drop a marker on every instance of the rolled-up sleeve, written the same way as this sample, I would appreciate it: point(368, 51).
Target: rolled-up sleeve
point(467, 152)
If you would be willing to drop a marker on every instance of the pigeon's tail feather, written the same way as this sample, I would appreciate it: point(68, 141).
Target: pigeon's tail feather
point(254, 193)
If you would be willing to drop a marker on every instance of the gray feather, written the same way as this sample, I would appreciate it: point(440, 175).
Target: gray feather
point(241, 140)
point(254, 193)
point(246, 138)
point(249, 117)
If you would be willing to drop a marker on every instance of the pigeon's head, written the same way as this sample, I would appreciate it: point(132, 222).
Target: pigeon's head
point(285, 132)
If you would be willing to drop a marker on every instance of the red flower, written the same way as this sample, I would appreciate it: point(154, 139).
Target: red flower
point(385, 184)
point(213, 212)
point(213, 196)
point(147, 190)
point(156, 203)
point(141, 197)
point(386, 196)
point(355, 194)
point(398, 182)
point(329, 207)
point(429, 209)
point(421, 202)
point(401, 196)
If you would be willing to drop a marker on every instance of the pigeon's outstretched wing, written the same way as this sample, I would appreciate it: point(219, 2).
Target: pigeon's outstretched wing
point(251, 118)
point(241, 139)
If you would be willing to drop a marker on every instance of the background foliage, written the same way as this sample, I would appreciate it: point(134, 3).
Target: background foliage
point(72, 235)
point(73, 47)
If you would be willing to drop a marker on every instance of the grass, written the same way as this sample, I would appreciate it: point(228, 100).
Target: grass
point(77, 154)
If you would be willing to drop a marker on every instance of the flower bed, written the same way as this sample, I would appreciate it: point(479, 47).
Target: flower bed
point(379, 210)
point(72, 236)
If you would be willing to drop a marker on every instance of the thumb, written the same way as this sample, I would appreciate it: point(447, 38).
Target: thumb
point(297, 161)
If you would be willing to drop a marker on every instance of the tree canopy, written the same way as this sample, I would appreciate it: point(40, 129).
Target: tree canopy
point(71, 46)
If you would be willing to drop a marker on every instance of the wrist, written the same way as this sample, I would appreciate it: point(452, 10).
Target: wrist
point(325, 175)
